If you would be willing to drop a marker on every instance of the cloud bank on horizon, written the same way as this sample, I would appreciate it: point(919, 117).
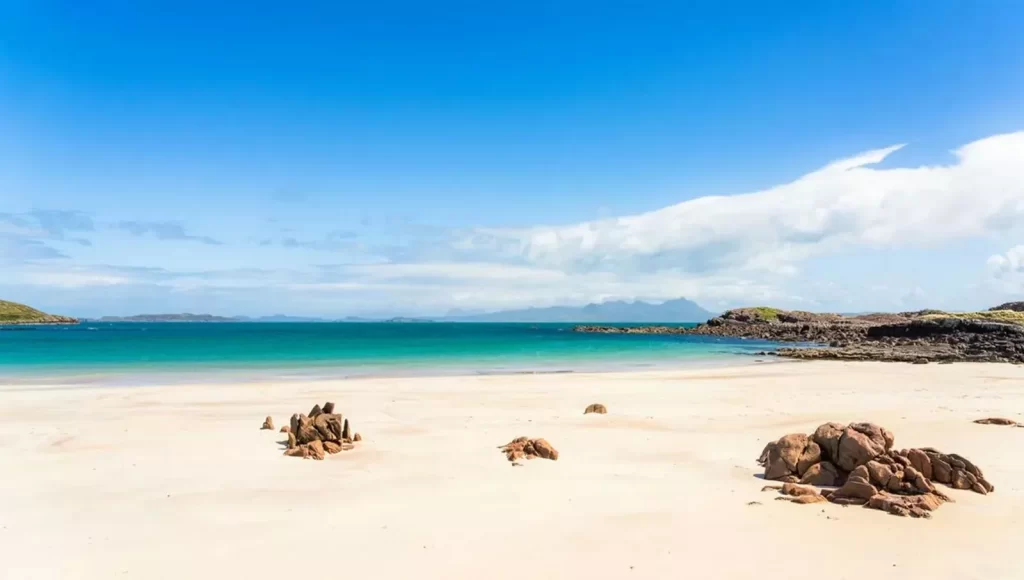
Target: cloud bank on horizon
point(852, 235)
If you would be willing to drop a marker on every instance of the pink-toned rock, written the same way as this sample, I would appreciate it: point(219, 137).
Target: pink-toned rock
point(795, 490)
point(857, 486)
point(857, 448)
point(810, 456)
point(919, 459)
point(879, 473)
point(787, 455)
point(827, 437)
point(286, 429)
point(822, 474)
point(807, 499)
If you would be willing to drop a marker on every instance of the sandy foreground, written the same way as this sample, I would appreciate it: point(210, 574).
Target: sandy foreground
point(179, 482)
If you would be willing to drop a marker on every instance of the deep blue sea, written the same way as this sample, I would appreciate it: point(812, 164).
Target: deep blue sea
point(343, 349)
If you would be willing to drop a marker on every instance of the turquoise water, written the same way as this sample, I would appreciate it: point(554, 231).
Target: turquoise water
point(343, 349)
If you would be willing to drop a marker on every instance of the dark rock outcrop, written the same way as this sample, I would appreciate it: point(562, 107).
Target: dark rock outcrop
point(913, 337)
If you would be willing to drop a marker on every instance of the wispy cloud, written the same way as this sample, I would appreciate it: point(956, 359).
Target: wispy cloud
point(15, 250)
point(45, 224)
point(332, 241)
point(163, 231)
point(845, 204)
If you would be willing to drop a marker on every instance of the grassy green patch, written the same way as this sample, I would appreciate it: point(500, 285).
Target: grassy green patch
point(766, 312)
point(1008, 316)
point(14, 312)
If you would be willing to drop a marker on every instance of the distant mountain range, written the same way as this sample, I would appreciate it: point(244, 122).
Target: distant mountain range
point(680, 310)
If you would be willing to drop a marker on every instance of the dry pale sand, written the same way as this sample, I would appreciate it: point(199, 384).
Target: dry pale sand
point(179, 482)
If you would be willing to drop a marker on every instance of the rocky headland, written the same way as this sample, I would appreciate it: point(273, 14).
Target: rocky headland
point(13, 313)
point(995, 335)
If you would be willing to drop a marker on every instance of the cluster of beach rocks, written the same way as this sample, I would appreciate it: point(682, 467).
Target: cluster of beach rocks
point(526, 448)
point(859, 461)
point(314, 435)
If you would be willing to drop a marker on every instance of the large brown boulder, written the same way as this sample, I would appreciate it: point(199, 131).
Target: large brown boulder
point(827, 437)
point(316, 410)
point(919, 459)
point(860, 443)
point(328, 407)
point(857, 487)
point(268, 423)
point(595, 408)
point(544, 449)
point(792, 455)
point(329, 426)
point(823, 473)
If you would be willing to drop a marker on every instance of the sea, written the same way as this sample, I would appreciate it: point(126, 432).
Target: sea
point(134, 352)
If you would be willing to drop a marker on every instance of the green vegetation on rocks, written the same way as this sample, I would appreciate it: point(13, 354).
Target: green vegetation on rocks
point(1007, 316)
point(753, 314)
point(14, 313)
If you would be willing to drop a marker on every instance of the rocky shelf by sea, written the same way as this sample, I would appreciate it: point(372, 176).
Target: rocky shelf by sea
point(996, 335)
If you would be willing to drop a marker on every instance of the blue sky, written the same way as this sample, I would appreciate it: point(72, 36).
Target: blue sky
point(409, 158)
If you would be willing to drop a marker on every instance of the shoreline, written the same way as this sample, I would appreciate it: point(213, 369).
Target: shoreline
point(41, 377)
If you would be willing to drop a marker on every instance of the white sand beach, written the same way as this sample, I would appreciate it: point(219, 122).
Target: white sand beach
point(179, 481)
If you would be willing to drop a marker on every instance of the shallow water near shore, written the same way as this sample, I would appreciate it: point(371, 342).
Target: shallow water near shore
point(124, 352)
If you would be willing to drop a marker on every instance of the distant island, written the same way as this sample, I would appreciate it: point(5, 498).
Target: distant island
point(671, 311)
point(186, 317)
point(15, 313)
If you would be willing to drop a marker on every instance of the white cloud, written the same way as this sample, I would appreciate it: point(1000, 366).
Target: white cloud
point(1007, 273)
point(1012, 262)
point(845, 204)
